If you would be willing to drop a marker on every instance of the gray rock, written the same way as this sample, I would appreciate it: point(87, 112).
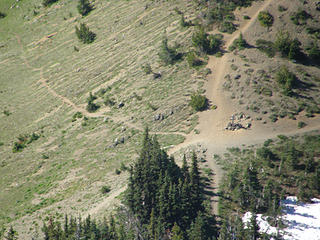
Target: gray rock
point(120, 105)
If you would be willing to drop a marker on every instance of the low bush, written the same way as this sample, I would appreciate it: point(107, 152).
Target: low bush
point(266, 47)
point(193, 60)
point(301, 124)
point(105, 189)
point(84, 34)
point(265, 19)
point(147, 69)
point(108, 101)
point(313, 31)
point(227, 27)
point(2, 15)
point(47, 3)
point(313, 52)
point(198, 102)
point(300, 17)
point(282, 8)
point(168, 55)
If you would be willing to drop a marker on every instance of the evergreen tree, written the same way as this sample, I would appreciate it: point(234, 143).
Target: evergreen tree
point(176, 232)
point(84, 7)
point(12, 234)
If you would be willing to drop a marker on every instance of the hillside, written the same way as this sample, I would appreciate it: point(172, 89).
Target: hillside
point(69, 153)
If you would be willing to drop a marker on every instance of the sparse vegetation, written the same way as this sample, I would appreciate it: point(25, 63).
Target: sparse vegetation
point(282, 8)
point(300, 17)
point(84, 34)
point(265, 19)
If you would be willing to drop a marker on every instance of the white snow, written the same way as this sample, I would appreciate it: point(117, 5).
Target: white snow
point(302, 220)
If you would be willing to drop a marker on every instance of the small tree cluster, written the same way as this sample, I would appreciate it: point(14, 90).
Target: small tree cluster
point(84, 34)
point(239, 43)
point(286, 79)
point(265, 19)
point(23, 141)
point(206, 43)
point(84, 7)
point(193, 60)
point(91, 106)
point(288, 47)
point(168, 55)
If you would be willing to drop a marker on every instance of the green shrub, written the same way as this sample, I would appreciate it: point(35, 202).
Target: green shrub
point(147, 69)
point(108, 101)
point(206, 43)
point(18, 147)
point(193, 60)
point(168, 55)
point(91, 106)
point(246, 17)
point(288, 47)
point(47, 3)
point(84, 34)
point(314, 51)
point(2, 15)
point(301, 124)
point(84, 7)
point(105, 189)
point(313, 31)
point(265, 19)
point(286, 79)
point(300, 17)
point(198, 102)
point(266, 47)
point(227, 27)
point(117, 171)
point(281, 8)
point(238, 43)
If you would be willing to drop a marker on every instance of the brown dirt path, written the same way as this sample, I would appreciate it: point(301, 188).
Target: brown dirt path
point(212, 122)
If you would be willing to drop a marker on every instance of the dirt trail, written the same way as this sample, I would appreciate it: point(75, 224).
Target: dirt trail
point(212, 122)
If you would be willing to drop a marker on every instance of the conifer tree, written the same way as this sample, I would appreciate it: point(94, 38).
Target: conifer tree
point(84, 7)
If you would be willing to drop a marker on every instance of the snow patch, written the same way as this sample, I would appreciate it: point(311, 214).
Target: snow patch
point(302, 220)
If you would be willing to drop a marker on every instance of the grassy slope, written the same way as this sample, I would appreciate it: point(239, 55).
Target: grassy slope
point(79, 158)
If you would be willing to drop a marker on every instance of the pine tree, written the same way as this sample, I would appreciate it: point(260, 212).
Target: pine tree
point(254, 227)
point(12, 234)
point(176, 232)
point(84, 7)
